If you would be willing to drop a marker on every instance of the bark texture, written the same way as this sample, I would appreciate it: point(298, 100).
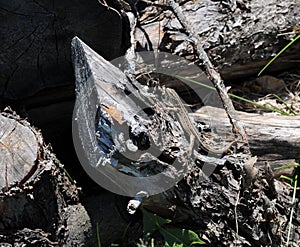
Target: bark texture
point(239, 36)
point(38, 203)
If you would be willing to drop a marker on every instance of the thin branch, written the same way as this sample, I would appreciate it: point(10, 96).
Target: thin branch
point(214, 76)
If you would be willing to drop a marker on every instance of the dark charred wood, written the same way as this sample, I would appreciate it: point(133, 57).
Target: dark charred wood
point(238, 204)
point(36, 74)
point(35, 40)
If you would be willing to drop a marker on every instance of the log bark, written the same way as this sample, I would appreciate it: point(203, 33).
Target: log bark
point(40, 206)
point(213, 75)
point(38, 202)
point(237, 36)
point(36, 75)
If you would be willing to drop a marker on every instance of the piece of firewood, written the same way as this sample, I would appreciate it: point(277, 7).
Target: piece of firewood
point(18, 152)
point(38, 203)
point(270, 136)
point(225, 207)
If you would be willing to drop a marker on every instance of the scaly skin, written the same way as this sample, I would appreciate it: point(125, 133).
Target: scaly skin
point(189, 127)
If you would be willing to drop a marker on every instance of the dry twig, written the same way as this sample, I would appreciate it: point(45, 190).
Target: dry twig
point(214, 76)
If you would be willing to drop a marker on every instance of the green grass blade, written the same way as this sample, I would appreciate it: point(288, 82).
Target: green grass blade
point(98, 235)
point(286, 166)
point(277, 55)
point(273, 109)
point(152, 242)
point(287, 178)
point(285, 104)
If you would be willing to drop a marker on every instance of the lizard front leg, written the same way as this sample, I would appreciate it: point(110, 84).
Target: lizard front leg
point(192, 142)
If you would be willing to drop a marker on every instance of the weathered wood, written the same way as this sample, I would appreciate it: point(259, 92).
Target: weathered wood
point(36, 74)
point(236, 205)
point(18, 152)
point(237, 43)
point(38, 203)
point(35, 52)
point(271, 136)
point(104, 89)
point(212, 73)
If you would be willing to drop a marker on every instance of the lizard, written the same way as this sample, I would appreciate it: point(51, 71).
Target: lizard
point(189, 127)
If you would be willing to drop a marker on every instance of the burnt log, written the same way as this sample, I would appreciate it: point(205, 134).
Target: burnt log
point(237, 204)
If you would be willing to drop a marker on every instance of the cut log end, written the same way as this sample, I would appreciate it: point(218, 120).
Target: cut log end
point(18, 151)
